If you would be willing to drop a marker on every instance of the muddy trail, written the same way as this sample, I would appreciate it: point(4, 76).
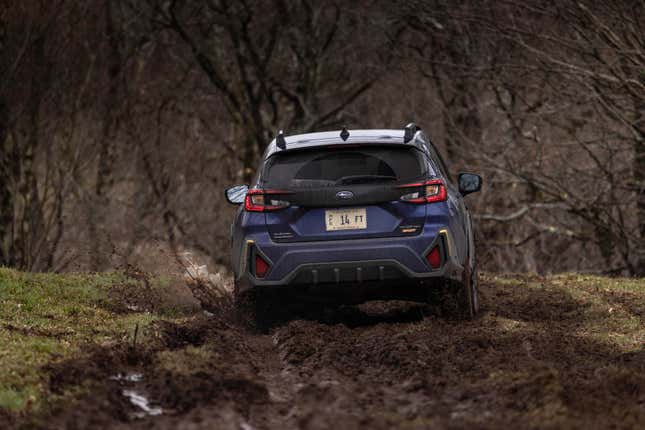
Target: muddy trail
point(529, 361)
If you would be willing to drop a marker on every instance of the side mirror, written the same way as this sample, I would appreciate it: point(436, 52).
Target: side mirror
point(469, 183)
point(236, 194)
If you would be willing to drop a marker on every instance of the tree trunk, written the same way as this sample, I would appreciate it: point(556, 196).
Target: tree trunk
point(249, 159)
point(99, 204)
point(6, 197)
point(32, 224)
point(639, 179)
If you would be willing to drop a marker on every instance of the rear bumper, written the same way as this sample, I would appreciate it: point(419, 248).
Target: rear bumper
point(352, 262)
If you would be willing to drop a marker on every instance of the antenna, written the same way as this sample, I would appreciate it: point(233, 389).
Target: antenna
point(344, 134)
point(280, 141)
point(410, 131)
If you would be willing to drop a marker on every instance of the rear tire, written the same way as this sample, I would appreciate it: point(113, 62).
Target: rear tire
point(252, 310)
point(475, 290)
point(459, 299)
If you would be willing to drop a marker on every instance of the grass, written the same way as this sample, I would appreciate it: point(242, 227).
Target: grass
point(607, 310)
point(46, 318)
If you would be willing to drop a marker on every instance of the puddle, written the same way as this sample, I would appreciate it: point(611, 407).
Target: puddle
point(142, 403)
point(127, 377)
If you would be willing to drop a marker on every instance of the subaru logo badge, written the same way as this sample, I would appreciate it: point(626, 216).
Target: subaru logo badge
point(344, 195)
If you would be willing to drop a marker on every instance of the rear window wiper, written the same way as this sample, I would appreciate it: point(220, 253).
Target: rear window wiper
point(357, 179)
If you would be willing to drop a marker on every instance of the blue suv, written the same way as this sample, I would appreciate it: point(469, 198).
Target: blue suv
point(362, 213)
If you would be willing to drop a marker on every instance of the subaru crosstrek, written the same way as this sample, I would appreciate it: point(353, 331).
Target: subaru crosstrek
point(366, 213)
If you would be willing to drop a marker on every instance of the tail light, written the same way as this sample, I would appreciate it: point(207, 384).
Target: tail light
point(258, 200)
point(426, 192)
point(434, 257)
point(261, 266)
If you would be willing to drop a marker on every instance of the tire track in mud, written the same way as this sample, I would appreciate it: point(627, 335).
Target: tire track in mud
point(353, 377)
point(382, 365)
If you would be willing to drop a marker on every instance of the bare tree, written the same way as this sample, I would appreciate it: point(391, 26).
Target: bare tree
point(107, 142)
point(274, 64)
point(597, 53)
point(42, 98)
point(547, 98)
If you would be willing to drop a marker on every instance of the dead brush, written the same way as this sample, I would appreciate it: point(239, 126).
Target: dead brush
point(214, 290)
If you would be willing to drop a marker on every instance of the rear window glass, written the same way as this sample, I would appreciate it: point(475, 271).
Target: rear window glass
point(344, 166)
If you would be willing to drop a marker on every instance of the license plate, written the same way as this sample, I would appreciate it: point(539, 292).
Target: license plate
point(346, 219)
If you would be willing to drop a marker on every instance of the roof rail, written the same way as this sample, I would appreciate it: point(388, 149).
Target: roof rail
point(410, 131)
point(280, 141)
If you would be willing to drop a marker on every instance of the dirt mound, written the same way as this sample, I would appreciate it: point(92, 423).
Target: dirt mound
point(143, 292)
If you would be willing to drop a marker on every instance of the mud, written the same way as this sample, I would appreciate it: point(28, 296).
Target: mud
point(521, 364)
point(33, 331)
point(144, 296)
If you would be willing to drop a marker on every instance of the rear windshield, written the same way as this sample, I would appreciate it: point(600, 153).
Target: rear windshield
point(344, 166)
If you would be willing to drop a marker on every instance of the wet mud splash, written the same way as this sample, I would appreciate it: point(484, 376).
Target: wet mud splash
point(527, 362)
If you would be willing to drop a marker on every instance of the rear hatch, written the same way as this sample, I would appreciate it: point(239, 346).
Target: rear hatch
point(344, 192)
